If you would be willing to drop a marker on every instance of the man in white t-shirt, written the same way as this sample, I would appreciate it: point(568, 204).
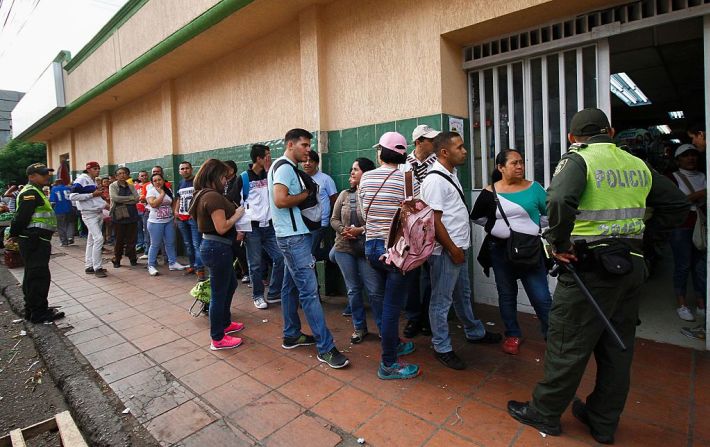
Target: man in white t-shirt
point(442, 191)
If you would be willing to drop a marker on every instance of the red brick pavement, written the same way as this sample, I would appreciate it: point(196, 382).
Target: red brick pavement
point(136, 331)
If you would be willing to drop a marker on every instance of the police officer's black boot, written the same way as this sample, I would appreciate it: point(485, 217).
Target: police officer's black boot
point(522, 412)
point(579, 410)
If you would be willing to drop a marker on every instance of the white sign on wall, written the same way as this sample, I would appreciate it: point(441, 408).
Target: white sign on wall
point(45, 98)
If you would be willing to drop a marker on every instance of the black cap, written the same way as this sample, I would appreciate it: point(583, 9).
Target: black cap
point(588, 122)
point(38, 168)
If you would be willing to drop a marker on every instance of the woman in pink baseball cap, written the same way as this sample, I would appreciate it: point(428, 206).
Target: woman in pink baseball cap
point(381, 192)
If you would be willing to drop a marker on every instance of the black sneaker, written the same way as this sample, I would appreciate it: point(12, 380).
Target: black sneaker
point(134, 262)
point(100, 273)
point(116, 264)
point(89, 271)
point(488, 338)
point(301, 340)
point(334, 358)
point(49, 315)
point(426, 330)
point(521, 412)
point(411, 329)
point(579, 410)
point(450, 359)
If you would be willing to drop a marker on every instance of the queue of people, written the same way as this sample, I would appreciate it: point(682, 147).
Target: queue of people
point(594, 223)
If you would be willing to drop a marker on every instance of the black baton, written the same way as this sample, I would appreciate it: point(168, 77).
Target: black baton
point(570, 268)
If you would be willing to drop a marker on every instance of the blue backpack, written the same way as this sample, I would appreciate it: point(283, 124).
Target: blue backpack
point(245, 186)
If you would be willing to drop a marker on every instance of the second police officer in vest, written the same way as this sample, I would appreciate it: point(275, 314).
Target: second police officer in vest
point(596, 204)
point(32, 227)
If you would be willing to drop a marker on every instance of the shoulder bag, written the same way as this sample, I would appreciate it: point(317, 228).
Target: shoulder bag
point(523, 250)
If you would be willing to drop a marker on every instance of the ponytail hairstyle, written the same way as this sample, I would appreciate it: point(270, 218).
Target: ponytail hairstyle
point(501, 160)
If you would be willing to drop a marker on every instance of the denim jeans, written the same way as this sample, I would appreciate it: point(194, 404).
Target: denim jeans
point(191, 239)
point(358, 273)
point(318, 237)
point(417, 306)
point(161, 234)
point(300, 285)
point(687, 259)
point(450, 285)
point(393, 285)
point(534, 282)
point(223, 283)
point(258, 240)
point(140, 236)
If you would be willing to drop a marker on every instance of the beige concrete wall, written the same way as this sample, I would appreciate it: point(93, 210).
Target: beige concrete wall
point(137, 130)
point(100, 65)
point(253, 94)
point(89, 144)
point(154, 22)
point(382, 61)
point(60, 145)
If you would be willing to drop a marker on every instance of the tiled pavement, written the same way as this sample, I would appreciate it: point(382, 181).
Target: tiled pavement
point(136, 331)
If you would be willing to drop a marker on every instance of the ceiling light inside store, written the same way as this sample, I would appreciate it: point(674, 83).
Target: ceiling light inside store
point(626, 90)
point(663, 129)
point(677, 115)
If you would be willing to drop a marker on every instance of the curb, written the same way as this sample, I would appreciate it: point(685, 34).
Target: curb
point(93, 405)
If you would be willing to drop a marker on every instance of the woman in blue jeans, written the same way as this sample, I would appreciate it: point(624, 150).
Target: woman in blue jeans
point(160, 224)
point(523, 202)
point(349, 252)
point(216, 216)
point(381, 192)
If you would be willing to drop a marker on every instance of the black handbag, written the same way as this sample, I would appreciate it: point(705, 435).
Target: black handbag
point(523, 250)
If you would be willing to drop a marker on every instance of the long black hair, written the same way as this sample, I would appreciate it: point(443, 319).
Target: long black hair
point(365, 164)
point(501, 160)
point(167, 190)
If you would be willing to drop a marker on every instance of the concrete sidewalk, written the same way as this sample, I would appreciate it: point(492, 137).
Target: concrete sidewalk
point(136, 332)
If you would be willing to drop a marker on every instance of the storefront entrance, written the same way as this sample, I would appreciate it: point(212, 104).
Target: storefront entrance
point(524, 89)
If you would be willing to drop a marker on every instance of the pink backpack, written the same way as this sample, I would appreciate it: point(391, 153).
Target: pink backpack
point(411, 237)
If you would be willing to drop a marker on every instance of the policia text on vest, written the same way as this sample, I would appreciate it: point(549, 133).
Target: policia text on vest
point(597, 199)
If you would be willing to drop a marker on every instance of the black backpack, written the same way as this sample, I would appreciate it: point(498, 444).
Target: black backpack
point(311, 208)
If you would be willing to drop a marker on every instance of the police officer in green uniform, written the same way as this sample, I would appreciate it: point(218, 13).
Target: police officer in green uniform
point(596, 205)
point(32, 227)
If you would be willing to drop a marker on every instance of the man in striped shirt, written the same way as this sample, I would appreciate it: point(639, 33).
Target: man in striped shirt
point(419, 161)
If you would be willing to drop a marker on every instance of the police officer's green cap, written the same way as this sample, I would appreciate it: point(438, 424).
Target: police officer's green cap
point(38, 168)
point(588, 122)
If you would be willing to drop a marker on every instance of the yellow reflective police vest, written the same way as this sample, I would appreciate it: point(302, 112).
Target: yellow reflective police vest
point(614, 201)
point(44, 216)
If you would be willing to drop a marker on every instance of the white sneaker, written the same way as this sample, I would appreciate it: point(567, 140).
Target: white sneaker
point(259, 303)
point(176, 266)
point(685, 314)
point(700, 313)
point(143, 258)
point(152, 271)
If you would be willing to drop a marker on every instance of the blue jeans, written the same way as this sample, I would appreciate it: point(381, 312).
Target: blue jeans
point(264, 238)
point(450, 285)
point(687, 259)
point(161, 234)
point(191, 239)
point(534, 282)
point(393, 285)
point(358, 273)
point(299, 285)
point(140, 236)
point(223, 283)
point(417, 306)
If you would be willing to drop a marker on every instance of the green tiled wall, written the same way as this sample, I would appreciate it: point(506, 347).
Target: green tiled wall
point(345, 145)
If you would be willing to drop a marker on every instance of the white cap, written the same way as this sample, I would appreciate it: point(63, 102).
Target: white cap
point(683, 148)
point(425, 131)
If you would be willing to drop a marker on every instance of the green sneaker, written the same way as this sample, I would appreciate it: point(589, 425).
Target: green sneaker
point(398, 371)
point(334, 358)
point(301, 340)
